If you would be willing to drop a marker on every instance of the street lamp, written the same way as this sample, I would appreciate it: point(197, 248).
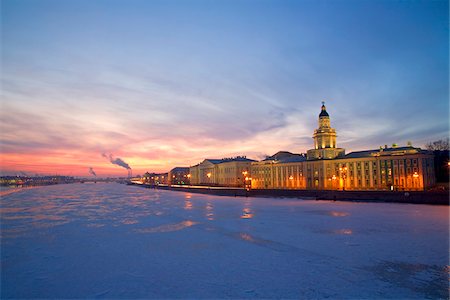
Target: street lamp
point(245, 177)
point(343, 175)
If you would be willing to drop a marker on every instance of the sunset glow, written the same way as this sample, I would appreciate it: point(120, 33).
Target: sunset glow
point(164, 84)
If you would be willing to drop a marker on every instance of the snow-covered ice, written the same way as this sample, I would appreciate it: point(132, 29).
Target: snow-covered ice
point(118, 241)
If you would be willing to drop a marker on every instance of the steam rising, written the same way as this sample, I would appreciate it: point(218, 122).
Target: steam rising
point(117, 161)
point(91, 171)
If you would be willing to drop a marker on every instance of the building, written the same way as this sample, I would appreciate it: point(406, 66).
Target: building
point(179, 176)
point(326, 167)
point(155, 178)
point(281, 170)
point(324, 139)
point(232, 172)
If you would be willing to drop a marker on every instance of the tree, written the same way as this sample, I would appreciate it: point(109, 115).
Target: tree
point(440, 145)
point(441, 152)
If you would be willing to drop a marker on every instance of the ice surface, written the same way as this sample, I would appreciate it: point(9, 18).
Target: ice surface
point(118, 241)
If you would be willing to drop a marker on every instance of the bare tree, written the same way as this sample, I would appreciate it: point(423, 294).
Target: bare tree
point(440, 145)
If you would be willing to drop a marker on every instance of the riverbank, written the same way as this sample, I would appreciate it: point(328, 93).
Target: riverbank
point(413, 197)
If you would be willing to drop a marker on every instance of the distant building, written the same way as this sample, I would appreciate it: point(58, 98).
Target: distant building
point(326, 167)
point(232, 172)
point(155, 178)
point(179, 176)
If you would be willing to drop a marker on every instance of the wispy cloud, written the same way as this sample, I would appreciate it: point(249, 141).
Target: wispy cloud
point(220, 82)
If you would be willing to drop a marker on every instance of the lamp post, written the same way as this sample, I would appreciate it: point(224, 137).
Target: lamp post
point(415, 177)
point(209, 177)
point(343, 175)
point(245, 177)
point(188, 179)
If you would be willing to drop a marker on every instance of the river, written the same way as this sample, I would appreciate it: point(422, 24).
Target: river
point(109, 240)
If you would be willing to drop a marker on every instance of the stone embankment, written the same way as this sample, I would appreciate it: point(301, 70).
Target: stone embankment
point(414, 197)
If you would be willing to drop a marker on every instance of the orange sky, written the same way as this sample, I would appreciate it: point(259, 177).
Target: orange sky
point(81, 78)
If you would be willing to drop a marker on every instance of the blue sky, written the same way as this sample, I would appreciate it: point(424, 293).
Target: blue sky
point(167, 83)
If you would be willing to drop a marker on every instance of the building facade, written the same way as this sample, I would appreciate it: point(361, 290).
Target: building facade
point(154, 178)
point(232, 172)
point(326, 167)
point(179, 176)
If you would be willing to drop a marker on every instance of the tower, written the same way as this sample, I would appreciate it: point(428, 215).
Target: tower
point(324, 139)
point(324, 136)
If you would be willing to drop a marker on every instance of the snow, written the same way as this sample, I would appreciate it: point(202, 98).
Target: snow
point(118, 241)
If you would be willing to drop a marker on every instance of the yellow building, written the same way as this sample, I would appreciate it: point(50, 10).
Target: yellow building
point(231, 172)
point(326, 167)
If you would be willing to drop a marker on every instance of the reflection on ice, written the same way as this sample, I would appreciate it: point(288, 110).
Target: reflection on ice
point(129, 221)
point(168, 227)
point(343, 231)
point(246, 213)
point(331, 213)
point(93, 206)
point(247, 237)
point(209, 214)
point(338, 214)
point(187, 205)
point(273, 248)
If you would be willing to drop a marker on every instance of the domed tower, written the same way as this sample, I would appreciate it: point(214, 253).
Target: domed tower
point(324, 139)
point(324, 136)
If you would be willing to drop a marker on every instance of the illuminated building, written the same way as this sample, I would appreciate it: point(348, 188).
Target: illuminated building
point(326, 167)
point(222, 172)
point(155, 178)
point(179, 176)
point(325, 139)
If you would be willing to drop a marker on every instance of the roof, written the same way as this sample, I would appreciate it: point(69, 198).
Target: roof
point(323, 113)
point(180, 169)
point(223, 160)
point(214, 161)
point(285, 157)
point(385, 152)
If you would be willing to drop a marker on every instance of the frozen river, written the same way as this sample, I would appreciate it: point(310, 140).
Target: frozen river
point(118, 241)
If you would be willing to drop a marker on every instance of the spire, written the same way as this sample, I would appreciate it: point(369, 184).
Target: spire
point(324, 113)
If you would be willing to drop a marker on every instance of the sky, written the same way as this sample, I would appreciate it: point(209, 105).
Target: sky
point(161, 84)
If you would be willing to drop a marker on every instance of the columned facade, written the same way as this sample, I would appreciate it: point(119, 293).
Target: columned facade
point(328, 168)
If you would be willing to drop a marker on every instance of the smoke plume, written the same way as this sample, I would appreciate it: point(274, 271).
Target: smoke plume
point(117, 161)
point(91, 171)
